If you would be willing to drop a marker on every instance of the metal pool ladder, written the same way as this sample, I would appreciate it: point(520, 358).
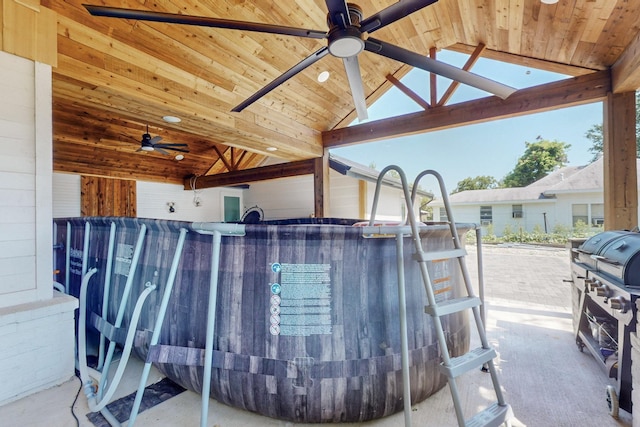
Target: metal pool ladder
point(497, 413)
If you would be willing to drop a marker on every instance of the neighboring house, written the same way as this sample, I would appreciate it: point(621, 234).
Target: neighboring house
point(352, 191)
point(561, 199)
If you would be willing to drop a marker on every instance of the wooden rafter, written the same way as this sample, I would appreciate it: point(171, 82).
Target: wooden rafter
point(222, 158)
point(467, 66)
point(433, 84)
point(407, 91)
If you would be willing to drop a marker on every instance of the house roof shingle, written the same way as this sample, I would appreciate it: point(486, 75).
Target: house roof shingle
point(568, 179)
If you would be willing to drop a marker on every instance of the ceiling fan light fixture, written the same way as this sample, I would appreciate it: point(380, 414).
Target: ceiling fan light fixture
point(345, 42)
point(549, 1)
point(146, 148)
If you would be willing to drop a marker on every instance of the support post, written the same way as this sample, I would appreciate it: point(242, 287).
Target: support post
point(619, 155)
point(321, 188)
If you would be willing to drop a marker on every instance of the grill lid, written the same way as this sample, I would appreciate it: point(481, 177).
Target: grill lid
point(616, 253)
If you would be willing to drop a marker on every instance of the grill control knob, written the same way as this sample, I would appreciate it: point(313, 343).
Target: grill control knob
point(603, 291)
point(594, 284)
point(619, 303)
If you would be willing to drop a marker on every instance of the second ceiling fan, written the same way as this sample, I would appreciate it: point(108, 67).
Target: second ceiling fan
point(348, 36)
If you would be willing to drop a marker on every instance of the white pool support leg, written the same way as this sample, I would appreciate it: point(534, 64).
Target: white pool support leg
point(217, 230)
point(95, 402)
point(67, 261)
point(404, 341)
point(123, 304)
point(107, 291)
point(483, 311)
point(155, 337)
point(211, 323)
point(85, 248)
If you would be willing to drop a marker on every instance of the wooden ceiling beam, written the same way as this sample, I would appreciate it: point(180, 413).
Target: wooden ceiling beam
point(625, 73)
point(282, 170)
point(564, 93)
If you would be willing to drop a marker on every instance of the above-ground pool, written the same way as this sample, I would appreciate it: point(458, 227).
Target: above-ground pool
point(306, 312)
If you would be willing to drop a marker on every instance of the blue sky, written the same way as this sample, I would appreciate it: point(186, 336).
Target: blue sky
point(491, 148)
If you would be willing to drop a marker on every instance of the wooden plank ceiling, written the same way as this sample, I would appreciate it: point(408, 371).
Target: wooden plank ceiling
point(116, 76)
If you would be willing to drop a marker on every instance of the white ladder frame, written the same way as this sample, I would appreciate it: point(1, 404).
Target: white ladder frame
point(500, 412)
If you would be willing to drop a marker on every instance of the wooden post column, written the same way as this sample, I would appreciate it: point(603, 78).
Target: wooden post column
point(321, 189)
point(619, 155)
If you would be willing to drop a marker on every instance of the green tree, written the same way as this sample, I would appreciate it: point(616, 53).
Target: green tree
point(480, 182)
point(539, 158)
point(595, 135)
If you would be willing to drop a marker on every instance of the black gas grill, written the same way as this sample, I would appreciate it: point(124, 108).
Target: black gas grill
point(605, 272)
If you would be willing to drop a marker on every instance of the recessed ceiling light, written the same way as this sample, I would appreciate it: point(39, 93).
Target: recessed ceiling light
point(549, 1)
point(179, 157)
point(172, 119)
point(323, 76)
point(272, 149)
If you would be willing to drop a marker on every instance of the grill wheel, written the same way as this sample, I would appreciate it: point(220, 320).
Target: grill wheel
point(612, 401)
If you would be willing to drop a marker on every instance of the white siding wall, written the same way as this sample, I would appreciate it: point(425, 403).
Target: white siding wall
point(533, 215)
point(345, 199)
point(25, 181)
point(293, 198)
point(66, 195)
point(36, 328)
point(391, 206)
point(282, 198)
point(17, 181)
point(565, 201)
point(152, 199)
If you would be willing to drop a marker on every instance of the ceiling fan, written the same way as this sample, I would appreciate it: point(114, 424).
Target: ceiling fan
point(348, 36)
point(150, 144)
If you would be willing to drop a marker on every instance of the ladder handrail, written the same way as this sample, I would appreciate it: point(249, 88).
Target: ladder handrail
point(452, 367)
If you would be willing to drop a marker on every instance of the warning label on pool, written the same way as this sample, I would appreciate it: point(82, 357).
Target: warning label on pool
point(303, 300)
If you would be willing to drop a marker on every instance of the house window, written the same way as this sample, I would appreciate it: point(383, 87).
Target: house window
point(516, 211)
point(580, 212)
point(443, 215)
point(486, 215)
point(597, 214)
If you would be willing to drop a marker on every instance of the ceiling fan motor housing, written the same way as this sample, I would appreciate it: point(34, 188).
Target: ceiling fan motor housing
point(345, 40)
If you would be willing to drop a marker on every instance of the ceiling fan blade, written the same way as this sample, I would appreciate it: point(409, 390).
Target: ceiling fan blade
point(182, 150)
point(161, 151)
point(309, 60)
point(437, 67)
point(392, 13)
point(352, 67)
point(203, 21)
point(174, 147)
point(338, 13)
point(171, 144)
point(155, 140)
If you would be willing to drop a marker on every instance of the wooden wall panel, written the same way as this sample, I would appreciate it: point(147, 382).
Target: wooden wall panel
point(107, 197)
point(29, 30)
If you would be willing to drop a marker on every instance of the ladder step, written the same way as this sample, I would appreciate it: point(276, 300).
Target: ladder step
point(493, 416)
point(437, 255)
point(468, 361)
point(452, 306)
